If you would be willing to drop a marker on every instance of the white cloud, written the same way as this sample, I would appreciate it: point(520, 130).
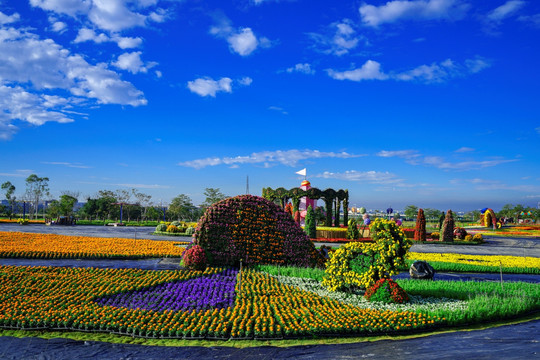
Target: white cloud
point(338, 39)
point(31, 68)
point(371, 70)
point(405, 154)
point(413, 157)
point(68, 7)
point(533, 20)
point(506, 10)
point(67, 164)
point(86, 34)
point(242, 41)
point(398, 10)
point(304, 68)
point(7, 19)
point(245, 81)
point(464, 149)
point(59, 27)
point(209, 87)
point(374, 177)
point(278, 109)
point(434, 73)
point(19, 173)
point(441, 163)
point(268, 158)
point(127, 42)
point(132, 62)
point(110, 15)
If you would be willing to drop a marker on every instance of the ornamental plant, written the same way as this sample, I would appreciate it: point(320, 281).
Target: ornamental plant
point(195, 258)
point(447, 231)
point(256, 231)
point(173, 229)
point(352, 230)
point(360, 265)
point(161, 228)
point(310, 227)
point(460, 233)
point(435, 235)
point(386, 291)
point(478, 237)
point(289, 209)
point(420, 229)
point(468, 238)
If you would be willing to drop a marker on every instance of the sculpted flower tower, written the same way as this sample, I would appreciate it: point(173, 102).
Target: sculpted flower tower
point(305, 202)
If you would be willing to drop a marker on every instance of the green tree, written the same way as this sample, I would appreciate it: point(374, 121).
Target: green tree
point(182, 208)
point(36, 188)
point(9, 189)
point(212, 197)
point(310, 226)
point(411, 211)
point(62, 207)
point(432, 214)
point(143, 201)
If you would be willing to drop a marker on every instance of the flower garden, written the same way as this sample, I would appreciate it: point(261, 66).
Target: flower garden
point(252, 273)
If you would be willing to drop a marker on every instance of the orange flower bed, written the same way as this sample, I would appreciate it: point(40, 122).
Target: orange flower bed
point(51, 246)
point(13, 221)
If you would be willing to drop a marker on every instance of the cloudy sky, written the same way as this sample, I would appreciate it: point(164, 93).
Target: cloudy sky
point(425, 102)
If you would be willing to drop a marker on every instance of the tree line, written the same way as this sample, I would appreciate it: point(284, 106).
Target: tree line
point(104, 205)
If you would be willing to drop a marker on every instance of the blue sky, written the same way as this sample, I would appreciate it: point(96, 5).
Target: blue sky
point(425, 102)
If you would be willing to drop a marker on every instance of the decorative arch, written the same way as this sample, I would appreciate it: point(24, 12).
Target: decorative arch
point(489, 219)
point(333, 200)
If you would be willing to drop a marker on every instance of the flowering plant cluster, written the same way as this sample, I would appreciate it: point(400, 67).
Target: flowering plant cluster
point(141, 303)
point(52, 246)
point(254, 230)
point(362, 264)
point(460, 233)
point(435, 235)
point(195, 258)
point(173, 229)
point(215, 291)
point(420, 229)
point(481, 260)
point(23, 221)
point(386, 291)
point(478, 237)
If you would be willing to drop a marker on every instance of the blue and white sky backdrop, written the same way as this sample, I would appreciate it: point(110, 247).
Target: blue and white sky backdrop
point(434, 103)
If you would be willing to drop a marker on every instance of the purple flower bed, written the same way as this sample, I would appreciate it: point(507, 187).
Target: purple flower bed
point(207, 292)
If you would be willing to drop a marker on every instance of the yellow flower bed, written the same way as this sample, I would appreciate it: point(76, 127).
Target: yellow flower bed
point(484, 260)
point(30, 245)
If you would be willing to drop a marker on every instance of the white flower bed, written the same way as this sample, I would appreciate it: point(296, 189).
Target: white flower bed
point(416, 303)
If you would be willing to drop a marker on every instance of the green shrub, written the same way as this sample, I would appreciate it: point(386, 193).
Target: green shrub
point(310, 227)
point(190, 230)
point(176, 223)
point(352, 230)
point(161, 228)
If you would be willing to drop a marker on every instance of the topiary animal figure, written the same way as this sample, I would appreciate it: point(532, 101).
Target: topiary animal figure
point(253, 230)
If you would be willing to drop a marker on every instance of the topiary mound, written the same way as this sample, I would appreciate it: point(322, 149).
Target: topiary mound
point(195, 258)
point(386, 291)
point(254, 230)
